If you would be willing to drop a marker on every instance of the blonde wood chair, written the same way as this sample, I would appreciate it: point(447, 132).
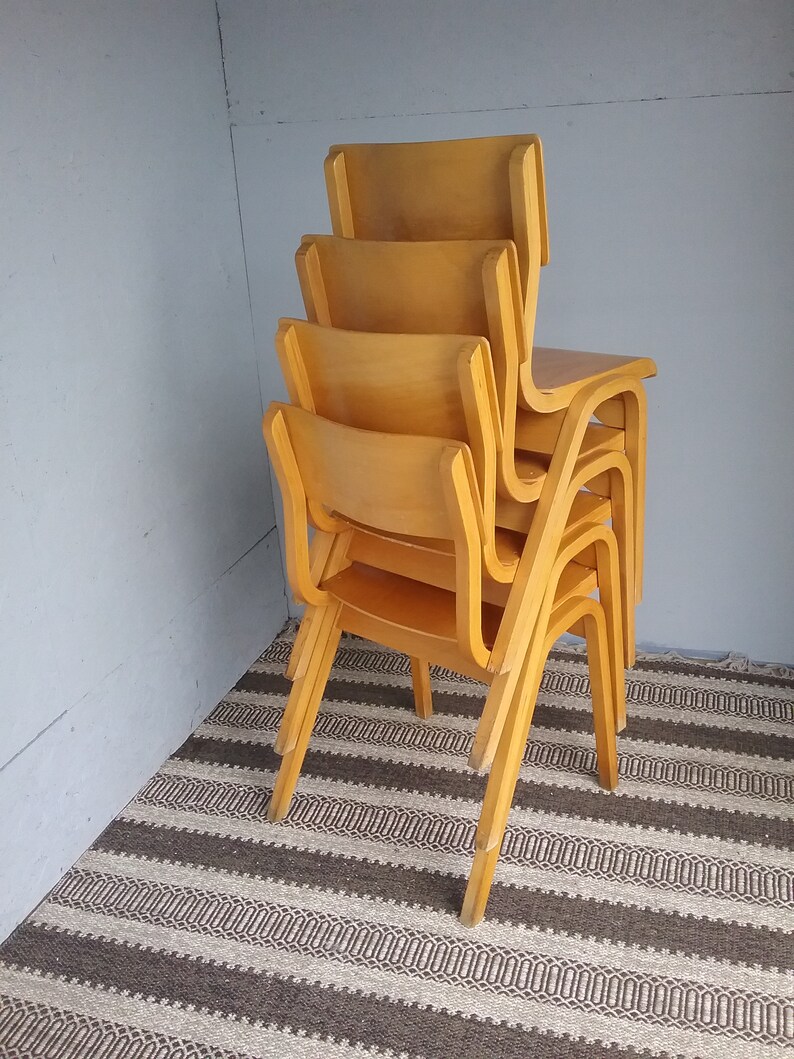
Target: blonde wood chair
point(344, 478)
point(432, 385)
point(429, 561)
point(483, 188)
point(467, 287)
point(436, 385)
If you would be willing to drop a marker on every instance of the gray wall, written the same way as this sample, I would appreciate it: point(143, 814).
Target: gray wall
point(667, 128)
point(140, 571)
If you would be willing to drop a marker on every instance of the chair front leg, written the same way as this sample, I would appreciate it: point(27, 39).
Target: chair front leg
point(501, 788)
point(292, 761)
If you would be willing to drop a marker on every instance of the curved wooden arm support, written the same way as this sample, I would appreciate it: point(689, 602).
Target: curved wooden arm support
point(497, 704)
point(550, 518)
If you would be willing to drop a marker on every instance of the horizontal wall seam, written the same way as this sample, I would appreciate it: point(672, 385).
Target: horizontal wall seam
point(502, 110)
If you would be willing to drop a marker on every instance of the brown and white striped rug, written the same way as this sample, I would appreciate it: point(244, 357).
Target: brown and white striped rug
point(648, 921)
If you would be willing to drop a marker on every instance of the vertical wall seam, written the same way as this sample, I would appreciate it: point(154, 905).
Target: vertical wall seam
point(248, 286)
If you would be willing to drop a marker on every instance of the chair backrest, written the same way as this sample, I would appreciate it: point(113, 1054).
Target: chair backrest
point(452, 287)
point(486, 188)
point(434, 385)
point(400, 384)
point(438, 287)
point(404, 484)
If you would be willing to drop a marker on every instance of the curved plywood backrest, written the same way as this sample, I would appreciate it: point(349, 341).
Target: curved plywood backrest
point(390, 482)
point(433, 287)
point(443, 189)
point(437, 287)
point(401, 384)
point(434, 385)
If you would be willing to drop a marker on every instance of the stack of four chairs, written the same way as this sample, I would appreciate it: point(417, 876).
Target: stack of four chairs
point(469, 493)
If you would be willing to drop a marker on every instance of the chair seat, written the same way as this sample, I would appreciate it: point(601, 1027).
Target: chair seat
point(561, 372)
point(539, 434)
point(393, 602)
point(587, 507)
point(433, 561)
point(397, 601)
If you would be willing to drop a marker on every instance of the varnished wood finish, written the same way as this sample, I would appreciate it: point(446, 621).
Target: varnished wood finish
point(335, 468)
point(572, 547)
point(448, 189)
point(556, 370)
point(463, 288)
point(485, 188)
point(418, 486)
point(430, 288)
point(552, 514)
point(432, 385)
point(292, 760)
point(419, 383)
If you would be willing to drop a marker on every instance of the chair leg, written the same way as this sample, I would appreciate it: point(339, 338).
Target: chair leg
point(624, 526)
point(492, 719)
point(500, 790)
point(478, 888)
point(325, 556)
point(423, 693)
point(299, 646)
point(292, 762)
point(629, 411)
point(617, 484)
point(595, 630)
point(636, 412)
point(311, 660)
point(609, 591)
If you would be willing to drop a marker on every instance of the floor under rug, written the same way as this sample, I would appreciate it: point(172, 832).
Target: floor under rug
point(649, 921)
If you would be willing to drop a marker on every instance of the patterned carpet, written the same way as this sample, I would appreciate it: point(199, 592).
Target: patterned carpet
point(649, 921)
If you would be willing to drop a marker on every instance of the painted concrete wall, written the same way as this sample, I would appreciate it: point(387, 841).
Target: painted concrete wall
point(140, 570)
point(667, 129)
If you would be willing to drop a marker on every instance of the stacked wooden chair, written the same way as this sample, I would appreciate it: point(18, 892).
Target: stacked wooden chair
point(469, 496)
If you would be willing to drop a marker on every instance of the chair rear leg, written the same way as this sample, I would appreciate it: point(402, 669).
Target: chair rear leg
point(595, 631)
point(629, 411)
point(625, 528)
point(493, 719)
point(299, 646)
point(636, 405)
point(423, 693)
point(617, 483)
point(325, 557)
point(609, 591)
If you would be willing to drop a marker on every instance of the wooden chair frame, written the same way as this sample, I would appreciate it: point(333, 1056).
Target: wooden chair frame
point(283, 426)
point(479, 289)
point(414, 191)
point(585, 616)
point(435, 385)
point(427, 564)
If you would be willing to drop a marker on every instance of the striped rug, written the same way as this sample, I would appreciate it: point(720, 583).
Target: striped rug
point(650, 921)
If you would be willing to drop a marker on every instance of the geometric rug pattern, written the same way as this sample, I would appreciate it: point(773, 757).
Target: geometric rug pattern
point(654, 920)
